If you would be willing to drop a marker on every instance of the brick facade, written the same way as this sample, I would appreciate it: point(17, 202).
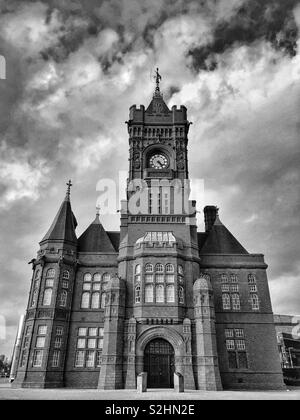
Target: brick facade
point(110, 294)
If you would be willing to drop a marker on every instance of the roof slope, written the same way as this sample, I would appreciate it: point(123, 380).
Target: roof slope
point(221, 241)
point(157, 105)
point(95, 239)
point(63, 226)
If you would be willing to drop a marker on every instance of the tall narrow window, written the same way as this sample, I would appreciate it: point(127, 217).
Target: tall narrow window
point(55, 358)
point(137, 273)
point(254, 301)
point(181, 294)
point(79, 358)
point(103, 300)
point(37, 358)
point(95, 300)
point(90, 358)
point(85, 300)
point(47, 297)
point(148, 293)
point(159, 294)
point(66, 275)
point(137, 294)
point(57, 342)
point(226, 301)
point(63, 298)
point(170, 294)
point(236, 305)
point(252, 286)
point(34, 297)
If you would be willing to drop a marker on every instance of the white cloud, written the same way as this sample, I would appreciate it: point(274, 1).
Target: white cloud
point(19, 178)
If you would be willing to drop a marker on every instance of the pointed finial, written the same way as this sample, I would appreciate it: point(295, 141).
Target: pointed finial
point(98, 208)
point(69, 185)
point(157, 78)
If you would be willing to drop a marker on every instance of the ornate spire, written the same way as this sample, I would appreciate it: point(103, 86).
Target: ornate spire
point(157, 78)
point(69, 185)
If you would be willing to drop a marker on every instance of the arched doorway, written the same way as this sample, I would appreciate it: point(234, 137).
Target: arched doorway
point(159, 363)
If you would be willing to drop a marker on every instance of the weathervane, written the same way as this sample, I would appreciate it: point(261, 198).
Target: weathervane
point(69, 184)
point(157, 78)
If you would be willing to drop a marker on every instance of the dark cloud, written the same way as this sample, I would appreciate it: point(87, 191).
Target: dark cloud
point(254, 20)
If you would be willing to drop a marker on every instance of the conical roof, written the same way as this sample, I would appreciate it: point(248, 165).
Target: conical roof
point(221, 241)
point(95, 239)
point(64, 225)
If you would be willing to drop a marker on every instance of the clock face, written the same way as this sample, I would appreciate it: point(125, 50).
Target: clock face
point(158, 161)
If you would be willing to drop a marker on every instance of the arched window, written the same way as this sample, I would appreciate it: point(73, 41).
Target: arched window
point(159, 294)
point(170, 294)
point(149, 268)
point(97, 277)
point(87, 277)
point(226, 301)
point(66, 275)
point(106, 277)
point(103, 300)
point(148, 293)
point(50, 273)
point(169, 268)
point(181, 294)
point(254, 302)
point(85, 300)
point(236, 305)
point(180, 270)
point(159, 268)
point(63, 298)
point(137, 294)
point(47, 297)
point(95, 300)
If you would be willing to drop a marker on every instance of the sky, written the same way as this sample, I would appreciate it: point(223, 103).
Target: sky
point(73, 69)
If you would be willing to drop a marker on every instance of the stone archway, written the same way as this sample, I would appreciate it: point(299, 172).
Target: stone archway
point(173, 346)
point(159, 363)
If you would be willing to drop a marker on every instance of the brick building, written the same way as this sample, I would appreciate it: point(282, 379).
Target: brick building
point(158, 296)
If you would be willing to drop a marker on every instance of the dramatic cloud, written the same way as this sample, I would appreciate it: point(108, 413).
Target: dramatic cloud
point(75, 67)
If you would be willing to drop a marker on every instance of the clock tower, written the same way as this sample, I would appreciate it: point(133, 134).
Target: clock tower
point(158, 139)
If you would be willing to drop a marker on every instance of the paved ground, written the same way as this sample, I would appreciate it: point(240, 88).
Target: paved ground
point(6, 392)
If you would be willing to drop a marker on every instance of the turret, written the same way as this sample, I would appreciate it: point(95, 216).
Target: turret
point(44, 341)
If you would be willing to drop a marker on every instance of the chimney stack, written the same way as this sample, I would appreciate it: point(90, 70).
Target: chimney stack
point(210, 214)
